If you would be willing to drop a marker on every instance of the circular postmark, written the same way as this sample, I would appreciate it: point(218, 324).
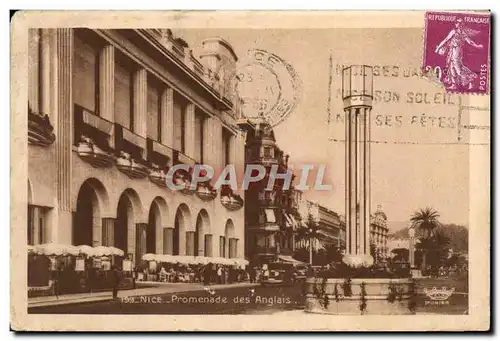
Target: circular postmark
point(267, 86)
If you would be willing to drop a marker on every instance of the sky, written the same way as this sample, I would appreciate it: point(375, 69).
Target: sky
point(418, 167)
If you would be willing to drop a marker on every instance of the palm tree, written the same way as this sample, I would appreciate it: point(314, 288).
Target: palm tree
point(426, 221)
point(308, 232)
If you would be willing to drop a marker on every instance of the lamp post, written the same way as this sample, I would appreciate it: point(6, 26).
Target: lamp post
point(310, 214)
point(313, 226)
point(411, 233)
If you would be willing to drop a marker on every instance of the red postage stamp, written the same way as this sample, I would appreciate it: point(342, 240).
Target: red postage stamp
point(457, 50)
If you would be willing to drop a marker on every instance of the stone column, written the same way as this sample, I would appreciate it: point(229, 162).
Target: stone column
point(33, 69)
point(140, 102)
point(107, 86)
point(357, 151)
point(46, 86)
point(366, 179)
point(158, 236)
point(217, 145)
point(108, 229)
point(140, 241)
point(167, 117)
point(350, 183)
point(208, 141)
point(63, 104)
point(190, 130)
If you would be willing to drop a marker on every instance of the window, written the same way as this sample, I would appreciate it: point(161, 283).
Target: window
point(31, 225)
point(222, 246)
point(266, 216)
point(268, 152)
point(198, 136)
point(154, 110)
point(168, 241)
point(233, 247)
point(123, 96)
point(208, 245)
point(36, 225)
point(85, 75)
point(190, 243)
point(179, 125)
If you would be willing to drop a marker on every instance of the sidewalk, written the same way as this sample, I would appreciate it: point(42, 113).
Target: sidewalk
point(151, 288)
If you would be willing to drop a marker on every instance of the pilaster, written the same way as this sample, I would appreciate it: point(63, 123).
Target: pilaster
point(33, 69)
point(64, 105)
point(190, 130)
point(140, 102)
point(167, 117)
point(107, 85)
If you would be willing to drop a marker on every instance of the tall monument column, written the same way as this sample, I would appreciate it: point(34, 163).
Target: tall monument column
point(357, 95)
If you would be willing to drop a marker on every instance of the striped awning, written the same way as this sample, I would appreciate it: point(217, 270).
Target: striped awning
point(289, 222)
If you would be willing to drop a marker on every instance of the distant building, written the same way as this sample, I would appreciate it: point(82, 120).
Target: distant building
point(379, 232)
point(330, 230)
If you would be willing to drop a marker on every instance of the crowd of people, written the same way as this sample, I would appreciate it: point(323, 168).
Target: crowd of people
point(182, 273)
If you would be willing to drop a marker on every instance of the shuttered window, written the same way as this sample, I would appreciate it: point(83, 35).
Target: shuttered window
point(85, 79)
point(168, 241)
point(190, 243)
point(154, 117)
point(233, 247)
point(208, 245)
point(222, 246)
point(123, 96)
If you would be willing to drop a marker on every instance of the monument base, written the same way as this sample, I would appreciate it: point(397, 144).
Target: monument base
point(360, 296)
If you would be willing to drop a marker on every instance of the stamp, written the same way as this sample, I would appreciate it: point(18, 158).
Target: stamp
point(456, 50)
point(268, 87)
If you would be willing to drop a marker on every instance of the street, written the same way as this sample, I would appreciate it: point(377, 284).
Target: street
point(260, 300)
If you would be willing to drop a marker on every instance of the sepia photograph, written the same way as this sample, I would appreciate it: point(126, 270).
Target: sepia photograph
point(313, 166)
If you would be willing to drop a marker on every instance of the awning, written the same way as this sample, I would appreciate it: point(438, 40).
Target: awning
point(289, 259)
point(289, 222)
point(295, 224)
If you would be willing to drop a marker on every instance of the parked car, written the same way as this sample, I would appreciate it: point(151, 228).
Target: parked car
point(300, 271)
point(278, 274)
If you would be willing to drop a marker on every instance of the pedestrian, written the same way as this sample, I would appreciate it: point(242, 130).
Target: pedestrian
point(207, 273)
point(253, 273)
point(219, 274)
point(115, 280)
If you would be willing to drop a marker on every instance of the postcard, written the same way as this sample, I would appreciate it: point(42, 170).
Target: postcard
point(261, 170)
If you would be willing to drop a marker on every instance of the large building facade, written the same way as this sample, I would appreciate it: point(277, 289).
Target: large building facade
point(269, 212)
point(110, 111)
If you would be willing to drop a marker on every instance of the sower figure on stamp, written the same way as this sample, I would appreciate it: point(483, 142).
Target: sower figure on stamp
point(457, 74)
